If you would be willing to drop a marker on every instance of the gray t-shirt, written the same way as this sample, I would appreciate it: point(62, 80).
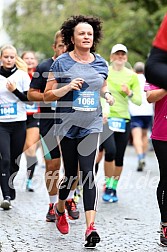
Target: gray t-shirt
point(79, 113)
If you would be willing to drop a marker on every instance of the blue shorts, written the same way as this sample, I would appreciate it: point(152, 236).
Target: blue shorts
point(143, 122)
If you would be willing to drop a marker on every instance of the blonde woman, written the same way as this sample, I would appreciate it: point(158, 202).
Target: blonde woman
point(14, 84)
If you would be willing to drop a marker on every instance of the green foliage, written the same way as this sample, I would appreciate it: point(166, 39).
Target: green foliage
point(151, 6)
point(32, 24)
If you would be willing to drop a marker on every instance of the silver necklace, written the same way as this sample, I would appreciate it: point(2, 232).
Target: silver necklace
point(83, 61)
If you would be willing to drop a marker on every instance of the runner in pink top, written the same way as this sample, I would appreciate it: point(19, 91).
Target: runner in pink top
point(159, 129)
point(159, 140)
point(156, 64)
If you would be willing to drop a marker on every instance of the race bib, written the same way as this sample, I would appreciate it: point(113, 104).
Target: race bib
point(117, 124)
point(53, 105)
point(8, 110)
point(32, 108)
point(85, 100)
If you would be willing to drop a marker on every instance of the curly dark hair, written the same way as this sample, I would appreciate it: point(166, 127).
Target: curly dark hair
point(67, 30)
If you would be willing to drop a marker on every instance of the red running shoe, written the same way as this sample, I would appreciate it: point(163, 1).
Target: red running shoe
point(73, 212)
point(91, 236)
point(163, 235)
point(50, 216)
point(61, 222)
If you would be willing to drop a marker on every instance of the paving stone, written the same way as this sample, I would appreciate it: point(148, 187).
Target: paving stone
point(130, 225)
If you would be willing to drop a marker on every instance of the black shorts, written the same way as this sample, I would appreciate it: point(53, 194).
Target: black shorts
point(48, 140)
point(32, 122)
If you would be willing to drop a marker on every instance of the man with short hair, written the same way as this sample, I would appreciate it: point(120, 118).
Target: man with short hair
point(49, 144)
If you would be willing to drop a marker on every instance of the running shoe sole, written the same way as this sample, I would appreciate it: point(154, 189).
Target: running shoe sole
point(92, 240)
point(73, 217)
point(50, 220)
point(90, 245)
point(161, 244)
point(110, 198)
point(5, 204)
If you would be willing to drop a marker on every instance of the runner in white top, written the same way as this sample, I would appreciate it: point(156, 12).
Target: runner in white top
point(141, 119)
point(14, 83)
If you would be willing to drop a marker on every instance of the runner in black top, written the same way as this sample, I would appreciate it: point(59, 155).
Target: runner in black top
point(50, 148)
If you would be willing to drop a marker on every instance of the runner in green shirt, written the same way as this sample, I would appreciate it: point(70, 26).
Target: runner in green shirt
point(124, 85)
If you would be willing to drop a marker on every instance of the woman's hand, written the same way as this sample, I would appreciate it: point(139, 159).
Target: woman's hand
point(52, 93)
point(105, 118)
point(109, 99)
point(125, 89)
point(76, 84)
point(11, 86)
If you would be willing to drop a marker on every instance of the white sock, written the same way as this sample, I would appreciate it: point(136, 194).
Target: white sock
point(71, 195)
point(53, 198)
point(164, 224)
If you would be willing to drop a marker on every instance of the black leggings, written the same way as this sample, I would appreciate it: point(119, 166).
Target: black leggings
point(12, 138)
point(115, 144)
point(160, 148)
point(80, 151)
point(156, 68)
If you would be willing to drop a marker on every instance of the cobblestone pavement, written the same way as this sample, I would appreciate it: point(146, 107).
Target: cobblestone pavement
point(131, 224)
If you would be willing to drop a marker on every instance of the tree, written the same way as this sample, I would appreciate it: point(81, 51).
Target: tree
point(32, 24)
point(151, 6)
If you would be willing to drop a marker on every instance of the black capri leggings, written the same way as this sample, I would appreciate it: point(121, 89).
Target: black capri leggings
point(80, 151)
point(115, 144)
point(160, 148)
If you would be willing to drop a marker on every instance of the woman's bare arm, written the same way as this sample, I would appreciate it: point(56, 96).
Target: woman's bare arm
point(52, 93)
point(156, 95)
